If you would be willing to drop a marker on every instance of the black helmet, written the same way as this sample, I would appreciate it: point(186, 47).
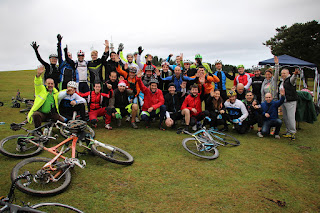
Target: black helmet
point(153, 80)
point(149, 67)
point(171, 84)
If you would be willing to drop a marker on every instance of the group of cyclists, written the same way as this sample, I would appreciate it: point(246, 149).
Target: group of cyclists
point(134, 88)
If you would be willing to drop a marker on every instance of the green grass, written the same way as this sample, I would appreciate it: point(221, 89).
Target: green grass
point(166, 178)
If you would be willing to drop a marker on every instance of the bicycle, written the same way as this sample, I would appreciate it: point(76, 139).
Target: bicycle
point(53, 176)
point(17, 146)
point(204, 142)
point(8, 206)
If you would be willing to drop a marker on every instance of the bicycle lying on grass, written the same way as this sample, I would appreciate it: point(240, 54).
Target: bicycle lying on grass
point(52, 176)
point(7, 205)
point(17, 146)
point(204, 142)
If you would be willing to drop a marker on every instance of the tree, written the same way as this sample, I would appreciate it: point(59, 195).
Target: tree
point(301, 40)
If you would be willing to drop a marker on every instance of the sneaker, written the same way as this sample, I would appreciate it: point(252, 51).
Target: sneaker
point(137, 120)
point(293, 137)
point(107, 126)
point(134, 125)
point(194, 128)
point(277, 136)
point(118, 122)
point(128, 118)
point(259, 134)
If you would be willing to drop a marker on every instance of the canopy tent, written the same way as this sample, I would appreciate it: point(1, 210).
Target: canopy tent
point(287, 60)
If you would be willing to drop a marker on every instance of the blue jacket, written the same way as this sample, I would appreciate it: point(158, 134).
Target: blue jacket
point(177, 81)
point(271, 108)
point(223, 80)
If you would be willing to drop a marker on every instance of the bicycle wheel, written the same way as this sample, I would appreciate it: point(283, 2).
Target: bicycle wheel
point(224, 138)
point(191, 145)
point(10, 147)
point(65, 132)
point(55, 207)
point(112, 153)
point(45, 182)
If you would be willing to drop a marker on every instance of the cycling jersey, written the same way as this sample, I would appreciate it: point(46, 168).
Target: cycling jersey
point(245, 79)
point(236, 110)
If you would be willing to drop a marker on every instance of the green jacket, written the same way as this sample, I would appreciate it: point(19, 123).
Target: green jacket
point(206, 66)
point(305, 108)
point(41, 94)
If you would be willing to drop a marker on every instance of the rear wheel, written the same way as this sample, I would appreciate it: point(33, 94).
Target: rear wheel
point(66, 133)
point(55, 207)
point(200, 149)
point(112, 153)
point(45, 182)
point(17, 146)
point(224, 138)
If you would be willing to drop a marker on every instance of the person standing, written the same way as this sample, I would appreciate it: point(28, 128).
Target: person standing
point(256, 84)
point(222, 75)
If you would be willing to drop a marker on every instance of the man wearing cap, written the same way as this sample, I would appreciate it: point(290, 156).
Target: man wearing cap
point(72, 102)
point(173, 101)
point(257, 81)
point(51, 70)
point(237, 112)
point(153, 102)
point(243, 77)
point(67, 71)
point(198, 59)
point(120, 106)
point(222, 75)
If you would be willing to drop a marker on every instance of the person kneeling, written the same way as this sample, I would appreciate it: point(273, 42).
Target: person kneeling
point(237, 112)
point(120, 105)
point(270, 111)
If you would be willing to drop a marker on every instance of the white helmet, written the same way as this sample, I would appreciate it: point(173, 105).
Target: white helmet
point(218, 62)
point(187, 61)
point(72, 84)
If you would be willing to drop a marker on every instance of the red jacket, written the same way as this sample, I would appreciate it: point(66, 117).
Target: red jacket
point(244, 79)
point(154, 100)
point(192, 102)
point(95, 100)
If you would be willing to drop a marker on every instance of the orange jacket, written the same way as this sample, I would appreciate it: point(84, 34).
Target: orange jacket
point(129, 80)
point(208, 86)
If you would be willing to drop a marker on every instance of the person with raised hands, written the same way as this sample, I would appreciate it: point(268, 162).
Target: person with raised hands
point(206, 80)
point(270, 83)
point(153, 101)
point(198, 59)
point(95, 66)
point(51, 70)
point(68, 71)
point(178, 62)
point(47, 98)
point(129, 60)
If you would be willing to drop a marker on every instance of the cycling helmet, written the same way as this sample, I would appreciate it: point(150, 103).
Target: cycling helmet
point(165, 63)
point(171, 85)
point(218, 61)
point(76, 126)
point(53, 56)
point(149, 67)
point(198, 56)
point(153, 80)
point(240, 66)
point(129, 54)
point(135, 53)
point(232, 93)
point(72, 84)
point(187, 61)
point(133, 69)
point(255, 68)
point(80, 53)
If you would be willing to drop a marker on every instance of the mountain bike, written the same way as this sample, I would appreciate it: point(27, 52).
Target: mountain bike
point(53, 176)
point(204, 142)
point(18, 146)
point(6, 203)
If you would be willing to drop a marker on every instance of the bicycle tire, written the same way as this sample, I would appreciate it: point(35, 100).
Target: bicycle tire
point(116, 155)
point(43, 187)
point(191, 146)
point(52, 205)
point(224, 138)
point(65, 133)
point(9, 147)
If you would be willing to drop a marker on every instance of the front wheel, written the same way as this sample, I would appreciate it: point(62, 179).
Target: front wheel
point(17, 146)
point(200, 149)
point(66, 133)
point(55, 207)
point(45, 181)
point(112, 153)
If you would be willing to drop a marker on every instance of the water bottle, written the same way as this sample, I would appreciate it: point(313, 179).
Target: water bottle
point(2, 123)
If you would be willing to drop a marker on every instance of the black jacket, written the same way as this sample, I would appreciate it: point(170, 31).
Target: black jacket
point(173, 103)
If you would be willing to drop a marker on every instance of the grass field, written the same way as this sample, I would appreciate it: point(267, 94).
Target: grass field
point(166, 178)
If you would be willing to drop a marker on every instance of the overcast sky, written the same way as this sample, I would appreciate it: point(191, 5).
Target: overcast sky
point(230, 30)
